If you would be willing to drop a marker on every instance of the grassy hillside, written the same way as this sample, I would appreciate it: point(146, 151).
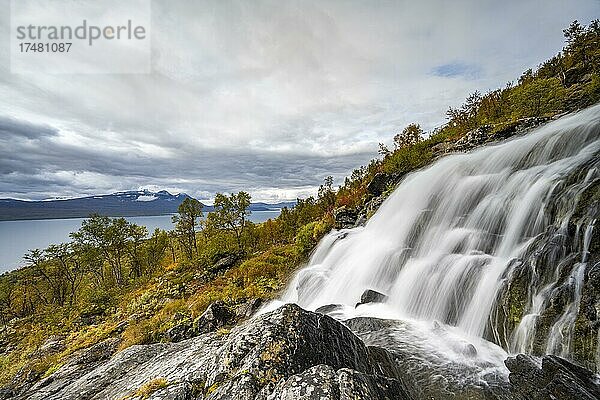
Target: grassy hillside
point(114, 280)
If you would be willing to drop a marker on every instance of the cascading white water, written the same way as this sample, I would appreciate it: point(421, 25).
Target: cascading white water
point(443, 244)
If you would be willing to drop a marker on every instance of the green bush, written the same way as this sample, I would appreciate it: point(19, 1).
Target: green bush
point(540, 97)
point(309, 235)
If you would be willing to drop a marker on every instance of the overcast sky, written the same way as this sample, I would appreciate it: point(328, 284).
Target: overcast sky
point(264, 96)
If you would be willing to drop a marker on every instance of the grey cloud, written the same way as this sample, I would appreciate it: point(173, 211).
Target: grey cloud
point(52, 167)
point(20, 129)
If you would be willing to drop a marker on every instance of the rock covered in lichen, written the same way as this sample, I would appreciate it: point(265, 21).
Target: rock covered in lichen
point(249, 362)
point(323, 382)
point(552, 378)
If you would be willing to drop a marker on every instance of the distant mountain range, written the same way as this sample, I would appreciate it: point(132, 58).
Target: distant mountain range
point(120, 204)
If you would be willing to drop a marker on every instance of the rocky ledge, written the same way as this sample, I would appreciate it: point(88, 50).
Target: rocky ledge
point(287, 354)
point(551, 378)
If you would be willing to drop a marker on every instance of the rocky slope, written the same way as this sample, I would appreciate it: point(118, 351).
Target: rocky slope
point(289, 354)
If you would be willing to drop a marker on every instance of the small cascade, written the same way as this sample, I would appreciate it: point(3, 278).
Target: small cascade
point(561, 334)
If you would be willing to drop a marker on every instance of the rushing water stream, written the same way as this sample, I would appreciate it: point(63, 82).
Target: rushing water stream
point(450, 239)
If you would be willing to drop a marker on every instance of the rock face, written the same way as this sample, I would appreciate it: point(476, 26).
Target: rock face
point(555, 378)
point(344, 218)
point(288, 353)
point(552, 257)
point(378, 184)
point(81, 364)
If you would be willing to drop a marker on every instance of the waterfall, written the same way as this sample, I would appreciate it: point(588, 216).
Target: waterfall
point(450, 240)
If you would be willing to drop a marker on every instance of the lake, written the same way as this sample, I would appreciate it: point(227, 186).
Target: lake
point(17, 237)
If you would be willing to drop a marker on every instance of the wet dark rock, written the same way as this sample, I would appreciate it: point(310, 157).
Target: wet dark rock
point(554, 378)
point(254, 360)
point(372, 296)
point(512, 302)
point(587, 324)
point(344, 217)
point(225, 263)
point(216, 316)
point(397, 350)
point(469, 350)
point(248, 309)
point(368, 324)
point(378, 184)
point(384, 363)
point(329, 308)
point(359, 386)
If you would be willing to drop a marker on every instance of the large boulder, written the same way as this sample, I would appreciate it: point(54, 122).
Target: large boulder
point(224, 263)
point(251, 361)
point(554, 378)
point(378, 184)
point(372, 296)
point(216, 316)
